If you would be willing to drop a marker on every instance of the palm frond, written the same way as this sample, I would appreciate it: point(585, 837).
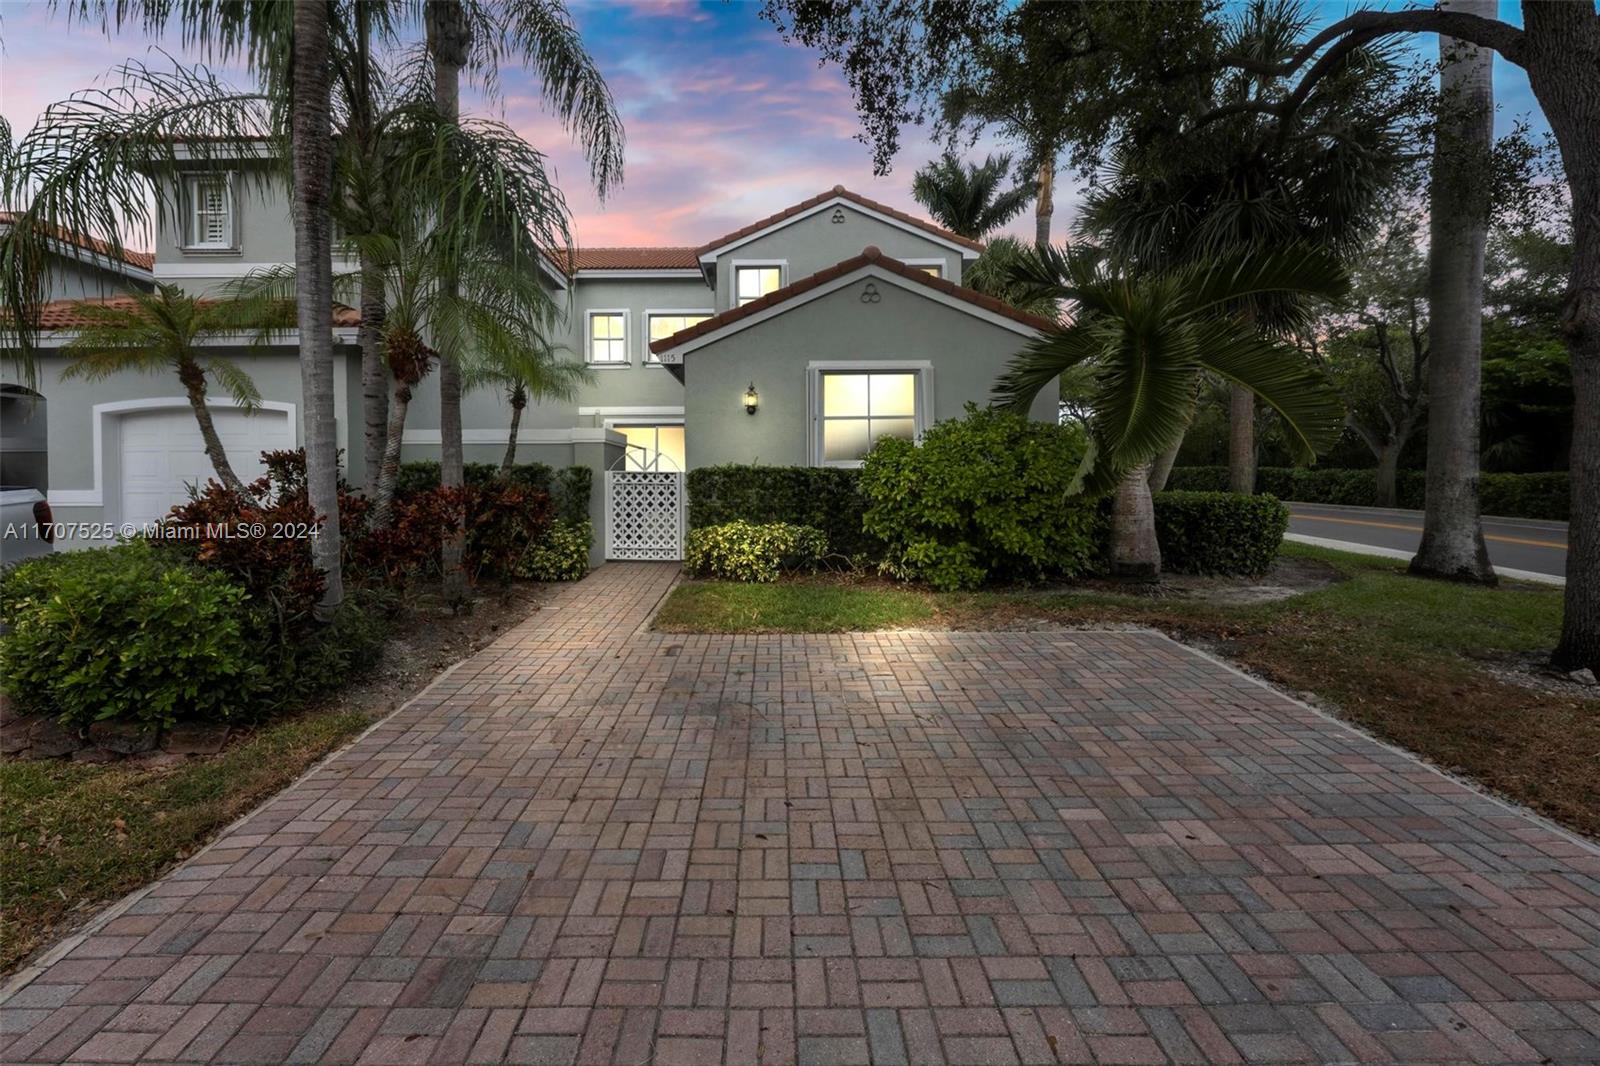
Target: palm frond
point(234, 381)
point(1310, 407)
point(1043, 360)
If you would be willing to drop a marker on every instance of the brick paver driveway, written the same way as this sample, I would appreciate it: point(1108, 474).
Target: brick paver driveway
point(595, 843)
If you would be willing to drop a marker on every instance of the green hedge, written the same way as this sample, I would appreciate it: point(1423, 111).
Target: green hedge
point(825, 498)
point(750, 551)
point(569, 487)
point(1544, 496)
point(1219, 532)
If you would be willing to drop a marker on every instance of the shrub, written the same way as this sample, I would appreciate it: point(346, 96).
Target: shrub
point(504, 520)
point(1546, 495)
point(128, 633)
point(826, 498)
point(1219, 532)
point(748, 551)
point(569, 491)
point(322, 660)
point(563, 554)
point(982, 498)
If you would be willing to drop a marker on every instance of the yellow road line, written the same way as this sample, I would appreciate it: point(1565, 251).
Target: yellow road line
point(1418, 529)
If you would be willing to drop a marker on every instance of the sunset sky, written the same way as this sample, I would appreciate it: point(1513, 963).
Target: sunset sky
point(725, 123)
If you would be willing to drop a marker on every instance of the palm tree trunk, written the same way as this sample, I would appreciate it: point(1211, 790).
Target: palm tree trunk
point(1044, 205)
point(194, 386)
point(374, 376)
point(1135, 554)
point(1161, 469)
point(312, 155)
point(519, 400)
point(389, 465)
point(1241, 440)
point(1452, 531)
point(447, 33)
point(1385, 491)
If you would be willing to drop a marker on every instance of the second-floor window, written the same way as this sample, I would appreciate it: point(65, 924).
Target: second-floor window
point(210, 211)
point(753, 282)
point(608, 338)
point(666, 323)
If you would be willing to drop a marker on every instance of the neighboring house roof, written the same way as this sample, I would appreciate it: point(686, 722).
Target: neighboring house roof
point(838, 192)
point(668, 258)
point(145, 261)
point(869, 257)
point(64, 314)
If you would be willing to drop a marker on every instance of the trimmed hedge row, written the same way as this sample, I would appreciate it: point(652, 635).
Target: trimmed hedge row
point(569, 487)
point(825, 498)
point(1219, 532)
point(1545, 496)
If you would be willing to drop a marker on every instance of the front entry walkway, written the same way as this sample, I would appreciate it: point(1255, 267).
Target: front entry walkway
point(595, 843)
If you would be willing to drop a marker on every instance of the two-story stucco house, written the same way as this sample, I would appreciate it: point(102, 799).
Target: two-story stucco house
point(798, 339)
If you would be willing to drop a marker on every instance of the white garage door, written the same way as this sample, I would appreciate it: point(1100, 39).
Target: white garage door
point(162, 454)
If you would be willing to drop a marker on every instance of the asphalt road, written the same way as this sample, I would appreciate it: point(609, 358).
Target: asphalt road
point(1514, 543)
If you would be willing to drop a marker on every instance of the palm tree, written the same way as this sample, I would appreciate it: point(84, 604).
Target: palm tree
point(1452, 527)
point(164, 332)
point(966, 198)
point(527, 373)
point(1247, 181)
point(1150, 338)
point(994, 273)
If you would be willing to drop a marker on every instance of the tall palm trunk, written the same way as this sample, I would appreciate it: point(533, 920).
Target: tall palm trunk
point(1135, 554)
point(519, 400)
point(1241, 440)
point(389, 464)
point(1044, 205)
point(194, 386)
point(448, 42)
point(374, 378)
point(1161, 469)
point(312, 157)
point(1452, 531)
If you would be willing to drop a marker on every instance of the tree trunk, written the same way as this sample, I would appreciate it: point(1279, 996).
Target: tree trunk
point(1385, 492)
point(194, 386)
point(1561, 69)
point(389, 465)
point(374, 375)
point(519, 400)
point(1452, 530)
point(1135, 555)
point(1161, 469)
point(1044, 204)
point(312, 156)
point(1241, 440)
point(448, 41)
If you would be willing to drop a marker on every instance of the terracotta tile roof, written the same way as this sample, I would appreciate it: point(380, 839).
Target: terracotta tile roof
point(142, 260)
point(636, 258)
point(869, 255)
point(855, 198)
point(63, 314)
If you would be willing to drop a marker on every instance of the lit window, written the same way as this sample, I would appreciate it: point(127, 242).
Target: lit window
point(210, 218)
point(858, 409)
point(665, 325)
point(754, 282)
point(608, 340)
point(654, 447)
point(934, 269)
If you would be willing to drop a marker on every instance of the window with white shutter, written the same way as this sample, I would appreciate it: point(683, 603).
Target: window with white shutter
point(210, 211)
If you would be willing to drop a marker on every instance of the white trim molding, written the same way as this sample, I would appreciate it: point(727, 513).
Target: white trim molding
point(633, 412)
point(712, 254)
point(96, 496)
point(922, 368)
point(575, 435)
point(867, 270)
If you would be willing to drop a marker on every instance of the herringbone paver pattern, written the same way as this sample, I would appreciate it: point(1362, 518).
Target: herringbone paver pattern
point(593, 843)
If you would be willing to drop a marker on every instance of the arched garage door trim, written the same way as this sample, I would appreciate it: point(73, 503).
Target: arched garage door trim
point(97, 496)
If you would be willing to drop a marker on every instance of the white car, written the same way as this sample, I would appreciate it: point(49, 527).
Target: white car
point(27, 528)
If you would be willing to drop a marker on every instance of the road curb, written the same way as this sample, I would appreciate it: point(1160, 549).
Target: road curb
point(1396, 553)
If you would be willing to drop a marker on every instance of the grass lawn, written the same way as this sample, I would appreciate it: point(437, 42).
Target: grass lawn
point(1412, 660)
point(75, 835)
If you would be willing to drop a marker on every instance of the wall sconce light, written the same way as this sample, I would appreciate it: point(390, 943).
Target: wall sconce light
point(752, 399)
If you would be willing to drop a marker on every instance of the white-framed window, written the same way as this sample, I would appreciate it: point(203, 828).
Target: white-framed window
point(856, 404)
point(608, 338)
point(751, 281)
point(208, 211)
point(659, 324)
point(653, 445)
point(932, 267)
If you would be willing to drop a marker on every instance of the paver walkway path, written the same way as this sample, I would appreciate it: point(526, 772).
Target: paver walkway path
point(595, 843)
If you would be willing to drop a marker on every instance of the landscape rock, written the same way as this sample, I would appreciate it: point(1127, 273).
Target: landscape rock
point(8, 710)
point(14, 734)
point(195, 738)
point(1582, 677)
point(48, 739)
point(124, 738)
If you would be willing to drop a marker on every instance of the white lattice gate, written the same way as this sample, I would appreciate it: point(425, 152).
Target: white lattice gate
point(644, 514)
